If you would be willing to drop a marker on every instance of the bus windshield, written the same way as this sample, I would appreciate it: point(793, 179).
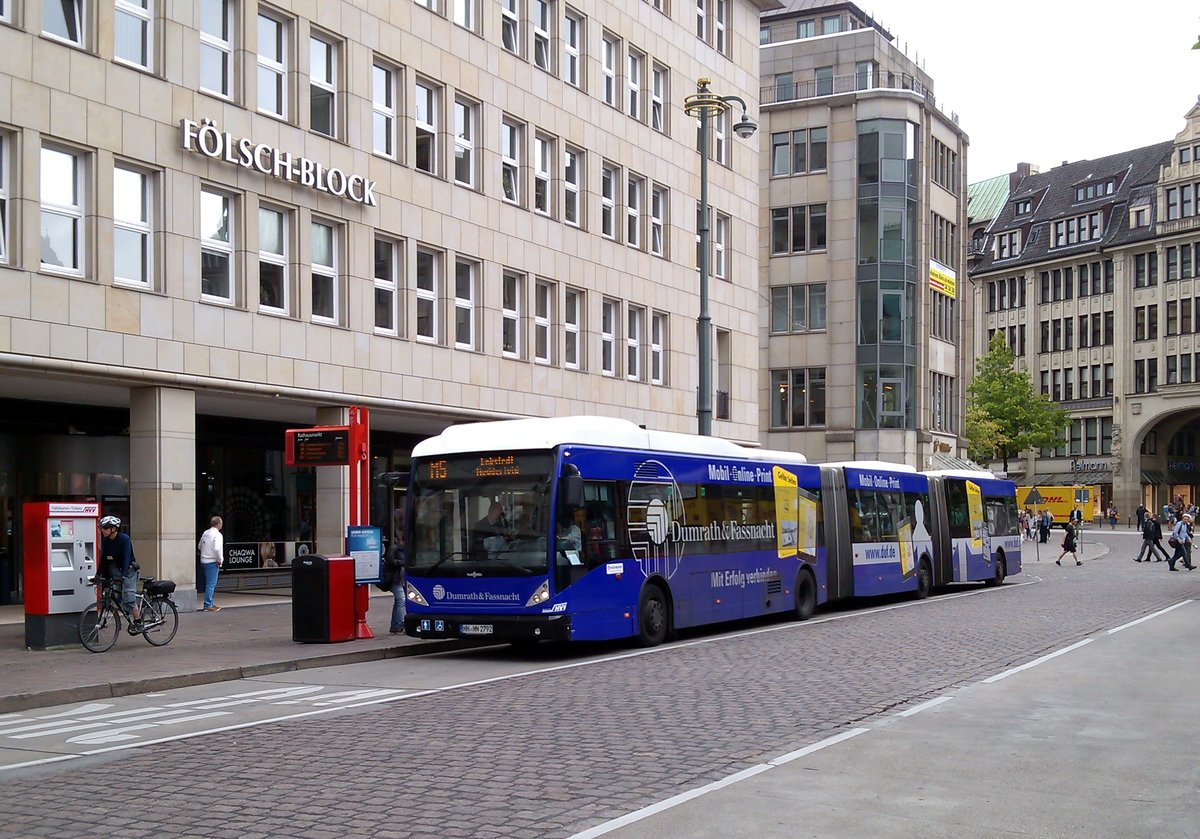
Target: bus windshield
point(480, 516)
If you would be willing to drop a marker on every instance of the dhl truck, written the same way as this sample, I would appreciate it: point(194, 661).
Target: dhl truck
point(1060, 501)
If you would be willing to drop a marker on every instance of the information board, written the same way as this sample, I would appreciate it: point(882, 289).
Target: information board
point(365, 546)
point(327, 446)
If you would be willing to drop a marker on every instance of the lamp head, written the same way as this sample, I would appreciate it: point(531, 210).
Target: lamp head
point(745, 127)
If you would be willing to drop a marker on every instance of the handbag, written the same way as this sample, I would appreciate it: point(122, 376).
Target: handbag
point(1173, 542)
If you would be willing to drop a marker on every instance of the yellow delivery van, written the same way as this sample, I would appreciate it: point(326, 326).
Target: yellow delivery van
point(1060, 501)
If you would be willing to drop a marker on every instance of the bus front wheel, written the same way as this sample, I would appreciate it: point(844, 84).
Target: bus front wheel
point(1001, 572)
point(652, 617)
point(806, 596)
point(924, 579)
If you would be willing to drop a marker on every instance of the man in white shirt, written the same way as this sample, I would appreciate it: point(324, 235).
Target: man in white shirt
point(212, 556)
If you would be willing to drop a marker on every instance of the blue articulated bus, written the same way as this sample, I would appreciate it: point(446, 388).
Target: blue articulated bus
point(591, 528)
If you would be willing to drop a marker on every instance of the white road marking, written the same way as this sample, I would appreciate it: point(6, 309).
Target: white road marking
point(1148, 617)
point(924, 706)
point(993, 679)
point(676, 800)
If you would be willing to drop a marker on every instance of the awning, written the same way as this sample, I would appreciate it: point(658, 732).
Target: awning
point(1060, 479)
point(1151, 476)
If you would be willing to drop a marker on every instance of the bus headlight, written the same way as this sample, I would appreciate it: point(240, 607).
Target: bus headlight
point(412, 594)
point(541, 595)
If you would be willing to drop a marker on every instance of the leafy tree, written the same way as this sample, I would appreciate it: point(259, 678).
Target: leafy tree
point(1005, 416)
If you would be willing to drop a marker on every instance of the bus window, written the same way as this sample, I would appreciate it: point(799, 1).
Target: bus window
point(956, 508)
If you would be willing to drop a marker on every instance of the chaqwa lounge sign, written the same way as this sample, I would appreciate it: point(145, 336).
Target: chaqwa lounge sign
point(205, 138)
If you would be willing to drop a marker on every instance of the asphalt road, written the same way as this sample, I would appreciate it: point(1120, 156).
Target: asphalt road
point(493, 743)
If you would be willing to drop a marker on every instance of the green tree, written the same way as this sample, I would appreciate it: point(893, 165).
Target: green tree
point(1005, 416)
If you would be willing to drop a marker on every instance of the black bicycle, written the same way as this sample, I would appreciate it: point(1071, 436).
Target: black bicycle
point(100, 623)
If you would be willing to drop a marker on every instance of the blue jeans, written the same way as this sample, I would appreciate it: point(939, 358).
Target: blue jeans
point(210, 582)
point(129, 589)
point(398, 607)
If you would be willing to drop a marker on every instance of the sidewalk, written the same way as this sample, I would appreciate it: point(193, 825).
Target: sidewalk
point(250, 636)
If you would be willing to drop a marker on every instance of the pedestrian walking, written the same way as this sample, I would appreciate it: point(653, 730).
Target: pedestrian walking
point(1112, 517)
point(1023, 520)
point(212, 557)
point(1068, 544)
point(1151, 544)
point(1181, 541)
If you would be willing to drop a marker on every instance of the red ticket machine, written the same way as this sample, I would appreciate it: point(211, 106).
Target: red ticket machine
point(59, 551)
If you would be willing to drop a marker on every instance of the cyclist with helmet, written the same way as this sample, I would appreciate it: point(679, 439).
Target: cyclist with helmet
point(118, 562)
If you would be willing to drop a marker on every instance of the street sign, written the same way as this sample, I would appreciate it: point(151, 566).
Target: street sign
point(1033, 497)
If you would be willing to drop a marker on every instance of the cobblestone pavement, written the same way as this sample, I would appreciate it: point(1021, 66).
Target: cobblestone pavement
point(554, 753)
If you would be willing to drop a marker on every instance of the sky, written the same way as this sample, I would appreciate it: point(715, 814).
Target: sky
point(1052, 80)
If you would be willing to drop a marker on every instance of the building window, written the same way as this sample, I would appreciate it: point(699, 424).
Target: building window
point(797, 229)
point(702, 19)
point(543, 17)
point(510, 26)
point(658, 342)
point(387, 282)
point(216, 246)
point(426, 117)
point(272, 67)
point(543, 318)
point(510, 161)
point(512, 293)
point(720, 235)
point(798, 308)
point(572, 328)
point(464, 142)
point(659, 92)
point(463, 13)
point(5, 154)
point(132, 23)
point(658, 220)
point(720, 25)
point(608, 201)
point(383, 104)
point(798, 152)
point(322, 91)
point(944, 320)
point(718, 146)
point(62, 210)
point(543, 154)
point(608, 337)
point(636, 63)
point(466, 275)
point(798, 398)
point(429, 266)
point(610, 49)
point(824, 81)
point(635, 195)
point(572, 181)
point(63, 20)
point(633, 343)
point(216, 46)
point(942, 403)
point(572, 38)
point(272, 260)
point(324, 273)
point(864, 76)
point(131, 226)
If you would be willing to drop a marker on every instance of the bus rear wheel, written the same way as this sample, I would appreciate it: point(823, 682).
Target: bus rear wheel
point(806, 595)
point(924, 579)
point(653, 620)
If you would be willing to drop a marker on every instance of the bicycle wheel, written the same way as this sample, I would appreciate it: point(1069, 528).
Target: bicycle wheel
point(99, 627)
point(160, 620)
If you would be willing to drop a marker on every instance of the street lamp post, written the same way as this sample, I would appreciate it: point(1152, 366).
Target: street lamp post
point(704, 104)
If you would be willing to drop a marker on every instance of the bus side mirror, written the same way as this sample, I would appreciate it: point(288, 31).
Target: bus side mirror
point(572, 491)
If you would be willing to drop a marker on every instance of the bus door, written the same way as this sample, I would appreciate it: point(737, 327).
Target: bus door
point(943, 570)
point(839, 557)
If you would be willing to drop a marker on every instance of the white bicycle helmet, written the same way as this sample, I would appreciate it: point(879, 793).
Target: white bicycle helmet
point(110, 521)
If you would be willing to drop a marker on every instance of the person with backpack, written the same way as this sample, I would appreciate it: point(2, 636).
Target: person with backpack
point(1151, 541)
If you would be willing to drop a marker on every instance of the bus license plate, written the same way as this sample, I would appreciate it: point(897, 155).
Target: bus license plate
point(476, 629)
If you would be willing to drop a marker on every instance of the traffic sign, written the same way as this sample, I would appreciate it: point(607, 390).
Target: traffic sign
point(1033, 497)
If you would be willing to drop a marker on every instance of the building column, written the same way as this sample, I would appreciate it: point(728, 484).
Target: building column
point(162, 486)
point(333, 493)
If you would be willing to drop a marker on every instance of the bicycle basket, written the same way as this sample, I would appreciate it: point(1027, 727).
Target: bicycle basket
point(160, 587)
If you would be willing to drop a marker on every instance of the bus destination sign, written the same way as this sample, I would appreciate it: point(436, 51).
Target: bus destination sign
point(329, 446)
point(492, 465)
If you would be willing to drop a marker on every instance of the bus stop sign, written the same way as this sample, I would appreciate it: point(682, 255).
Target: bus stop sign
point(1033, 497)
